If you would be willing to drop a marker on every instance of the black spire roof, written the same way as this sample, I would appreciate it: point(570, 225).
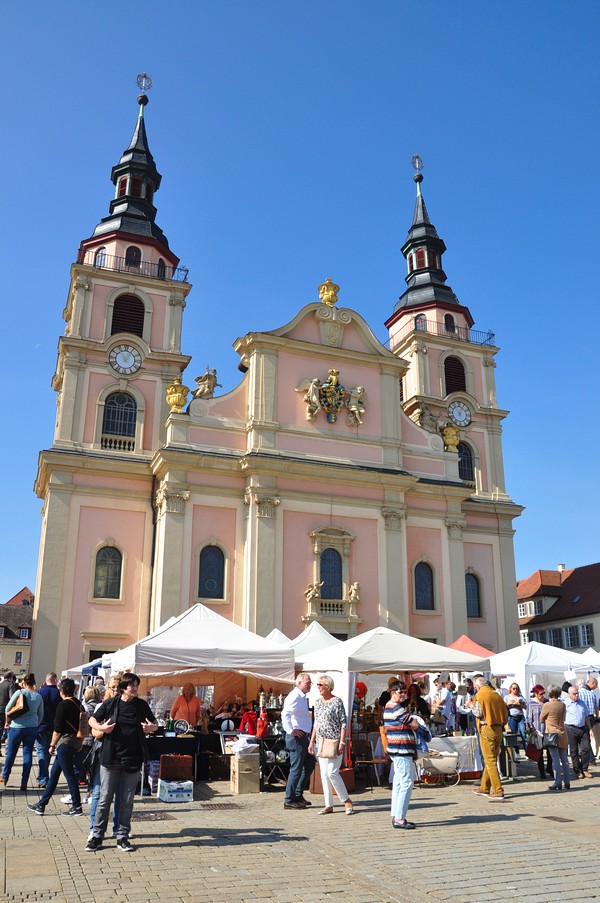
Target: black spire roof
point(426, 280)
point(136, 178)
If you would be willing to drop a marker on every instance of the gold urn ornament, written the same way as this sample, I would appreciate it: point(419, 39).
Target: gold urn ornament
point(177, 396)
point(328, 292)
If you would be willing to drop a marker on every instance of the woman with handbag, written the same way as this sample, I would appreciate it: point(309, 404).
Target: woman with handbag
point(329, 733)
point(552, 717)
point(534, 710)
point(515, 702)
point(24, 714)
point(65, 747)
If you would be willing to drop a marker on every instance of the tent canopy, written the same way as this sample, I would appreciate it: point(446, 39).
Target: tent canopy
point(466, 644)
point(276, 636)
point(201, 640)
point(312, 639)
point(383, 651)
point(537, 663)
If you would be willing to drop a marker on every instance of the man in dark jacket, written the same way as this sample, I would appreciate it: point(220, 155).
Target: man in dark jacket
point(51, 696)
point(124, 721)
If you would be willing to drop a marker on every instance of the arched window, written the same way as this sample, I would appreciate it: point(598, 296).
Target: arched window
point(424, 600)
point(465, 463)
point(212, 573)
point(421, 323)
point(122, 187)
point(100, 257)
point(162, 269)
point(473, 596)
point(411, 263)
point(128, 315)
point(136, 187)
point(432, 258)
point(331, 574)
point(120, 413)
point(420, 258)
point(454, 375)
point(107, 573)
point(449, 323)
point(133, 256)
point(149, 191)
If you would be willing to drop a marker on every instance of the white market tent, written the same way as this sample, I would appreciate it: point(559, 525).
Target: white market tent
point(312, 639)
point(276, 636)
point(534, 663)
point(385, 651)
point(593, 657)
point(201, 641)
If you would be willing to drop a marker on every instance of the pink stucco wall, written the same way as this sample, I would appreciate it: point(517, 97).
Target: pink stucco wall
point(126, 529)
point(480, 557)
point(217, 438)
point(213, 523)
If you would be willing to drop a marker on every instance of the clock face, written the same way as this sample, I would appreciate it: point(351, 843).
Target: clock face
point(125, 359)
point(459, 412)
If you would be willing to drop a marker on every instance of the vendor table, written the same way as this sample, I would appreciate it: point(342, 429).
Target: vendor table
point(469, 756)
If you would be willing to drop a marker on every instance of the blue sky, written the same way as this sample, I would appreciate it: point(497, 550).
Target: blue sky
point(284, 133)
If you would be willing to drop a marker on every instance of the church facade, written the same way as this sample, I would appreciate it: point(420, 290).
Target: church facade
point(340, 481)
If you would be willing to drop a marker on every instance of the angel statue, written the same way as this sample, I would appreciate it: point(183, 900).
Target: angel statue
point(356, 404)
point(310, 387)
point(313, 591)
point(206, 384)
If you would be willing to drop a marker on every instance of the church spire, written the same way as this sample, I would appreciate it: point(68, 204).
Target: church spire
point(135, 178)
point(423, 250)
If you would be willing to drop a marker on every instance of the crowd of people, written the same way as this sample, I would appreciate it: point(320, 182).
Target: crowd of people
point(100, 742)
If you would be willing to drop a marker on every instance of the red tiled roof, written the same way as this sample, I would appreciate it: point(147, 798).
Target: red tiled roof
point(578, 594)
point(17, 599)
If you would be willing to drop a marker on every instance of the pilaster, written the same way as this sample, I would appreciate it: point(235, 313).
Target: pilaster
point(394, 605)
point(168, 597)
point(454, 605)
point(261, 503)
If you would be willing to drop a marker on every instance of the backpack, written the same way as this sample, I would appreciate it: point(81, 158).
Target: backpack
point(83, 730)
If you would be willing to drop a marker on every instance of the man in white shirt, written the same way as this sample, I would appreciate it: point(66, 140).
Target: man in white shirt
point(297, 725)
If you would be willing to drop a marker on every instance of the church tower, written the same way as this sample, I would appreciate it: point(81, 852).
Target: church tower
point(121, 348)
point(449, 387)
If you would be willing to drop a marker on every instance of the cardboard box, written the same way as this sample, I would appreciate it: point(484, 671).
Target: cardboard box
point(175, 791)
point(245, 774)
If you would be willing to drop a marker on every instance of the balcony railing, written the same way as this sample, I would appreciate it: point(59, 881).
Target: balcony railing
point(117, 443)
point(434, 327)
point(144, 268)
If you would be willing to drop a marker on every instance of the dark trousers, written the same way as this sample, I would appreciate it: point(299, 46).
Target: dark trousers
point(301, 766)
point(64, 762)
point(579, 747)
point(549, 765)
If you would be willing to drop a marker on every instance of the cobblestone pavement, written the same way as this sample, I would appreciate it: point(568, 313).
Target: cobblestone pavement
point(536, 847)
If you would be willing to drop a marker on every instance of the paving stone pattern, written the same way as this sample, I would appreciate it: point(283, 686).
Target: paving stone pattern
point(224, 848)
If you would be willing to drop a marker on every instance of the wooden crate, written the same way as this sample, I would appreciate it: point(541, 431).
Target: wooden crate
point(176, 768)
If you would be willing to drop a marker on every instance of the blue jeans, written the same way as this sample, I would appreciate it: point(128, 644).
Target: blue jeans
point(402, 787)
point(301, 766)
point(64, 763)
point(16, 736)
point(111, 777)
point(42, 745)
point(517, 725)
point(95, 792)
point(560, 764)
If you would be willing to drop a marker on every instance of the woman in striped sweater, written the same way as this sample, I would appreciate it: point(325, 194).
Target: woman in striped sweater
point(399, 727)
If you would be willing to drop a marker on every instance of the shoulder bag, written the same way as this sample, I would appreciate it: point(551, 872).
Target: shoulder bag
point(550, 740)
point(20, 707)
point(328, 749)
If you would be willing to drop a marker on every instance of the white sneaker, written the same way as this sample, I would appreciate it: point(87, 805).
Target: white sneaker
point(89, 837)
point(66, 799)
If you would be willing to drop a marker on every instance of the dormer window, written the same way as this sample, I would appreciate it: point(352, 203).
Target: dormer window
point(122, 187)
point(421, 258)
point(136, 187)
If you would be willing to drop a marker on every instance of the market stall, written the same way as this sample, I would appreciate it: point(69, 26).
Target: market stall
point(538, 663)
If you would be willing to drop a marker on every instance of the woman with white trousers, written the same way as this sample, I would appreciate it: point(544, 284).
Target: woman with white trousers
point(329, 734)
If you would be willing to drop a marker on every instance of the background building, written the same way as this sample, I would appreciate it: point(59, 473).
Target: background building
point(340, 481)
point(561, 607)
point(16, 618)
